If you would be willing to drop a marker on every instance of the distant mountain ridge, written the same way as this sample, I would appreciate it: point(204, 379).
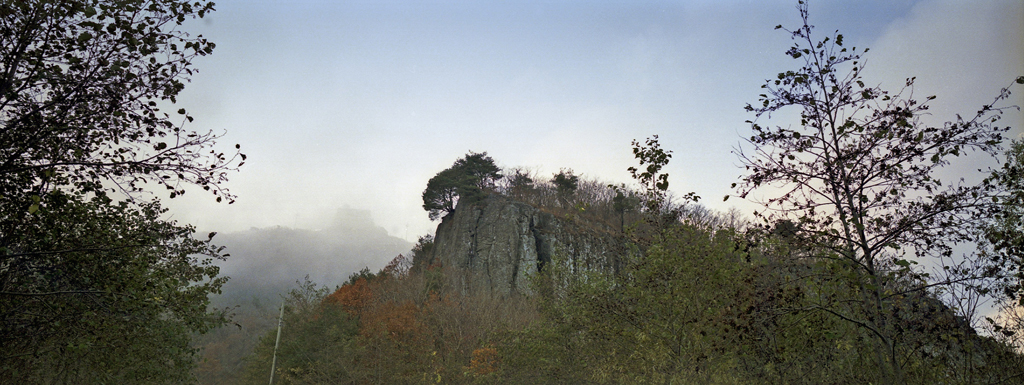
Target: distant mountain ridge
point(270, 260)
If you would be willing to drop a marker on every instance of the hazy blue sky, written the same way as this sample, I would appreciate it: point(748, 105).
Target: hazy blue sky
point(359, 103)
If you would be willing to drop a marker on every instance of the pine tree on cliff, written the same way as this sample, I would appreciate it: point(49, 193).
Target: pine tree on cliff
point(468, 178)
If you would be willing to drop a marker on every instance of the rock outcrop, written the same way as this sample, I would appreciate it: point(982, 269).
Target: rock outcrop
point(497, 243)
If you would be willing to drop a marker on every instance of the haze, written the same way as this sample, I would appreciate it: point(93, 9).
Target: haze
point(357, 104)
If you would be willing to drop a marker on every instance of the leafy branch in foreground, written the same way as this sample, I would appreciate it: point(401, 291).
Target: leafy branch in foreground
point(857, 176)
point(81, 89)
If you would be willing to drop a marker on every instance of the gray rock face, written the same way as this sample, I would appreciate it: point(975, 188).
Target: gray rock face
point(498, 243)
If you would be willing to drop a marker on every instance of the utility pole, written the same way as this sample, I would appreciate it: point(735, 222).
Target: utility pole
point(273, 364)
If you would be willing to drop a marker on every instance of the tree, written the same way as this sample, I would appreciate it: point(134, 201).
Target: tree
point(1005, 233)
point(443, 191)
point(82, 87)
point(317, 338)
point(94, 289)
point(480, 168)
point(467, 179)
point(520, 184)
point(422, 253)
point(624, 201)
point(857, 176)
point(566, 183)
point(658, 207)
point(100, 292)
point(653, 183)
point(1004, 236)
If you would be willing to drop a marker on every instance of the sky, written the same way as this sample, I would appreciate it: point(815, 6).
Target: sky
point(358, 104)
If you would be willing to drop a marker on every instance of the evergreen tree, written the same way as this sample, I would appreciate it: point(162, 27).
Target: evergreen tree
point(468, 179)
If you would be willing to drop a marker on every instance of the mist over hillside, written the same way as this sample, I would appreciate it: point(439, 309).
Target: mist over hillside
point(265, 262)
point(264, 265)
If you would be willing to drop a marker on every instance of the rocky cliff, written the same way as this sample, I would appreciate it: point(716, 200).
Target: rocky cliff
point(497, 243)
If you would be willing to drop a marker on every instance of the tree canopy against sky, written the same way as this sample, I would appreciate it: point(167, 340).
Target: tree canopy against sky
point(859, 175)
point(467, 179)
point(81, 98)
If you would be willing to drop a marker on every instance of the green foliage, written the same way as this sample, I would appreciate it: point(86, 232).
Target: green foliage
point(101, 292)
point(398, 327)
point(422, 253)
point(480, 168)
point(93, 290)
point(443, 192)
point(590, 200)
point(80, 93)
point(704, 303)
point(520, 184)
point(668, 317)
point(826, 291)
point(653, 183)
point(468, 179)
point(317, 342)
point(566, 183)
point(624, 201)
point(546, 353)
point(364, 274)
point(713, 305)
point(1006, 231)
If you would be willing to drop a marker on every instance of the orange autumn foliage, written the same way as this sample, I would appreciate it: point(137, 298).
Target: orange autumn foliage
point(353, 298)
point(397, 321)
point(401, 326)
point(484, 361)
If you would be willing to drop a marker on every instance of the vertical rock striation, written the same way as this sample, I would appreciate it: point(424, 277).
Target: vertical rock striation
point(497, 243)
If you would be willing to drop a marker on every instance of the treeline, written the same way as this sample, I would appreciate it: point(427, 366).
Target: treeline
point(590, 202)
point(393, 326)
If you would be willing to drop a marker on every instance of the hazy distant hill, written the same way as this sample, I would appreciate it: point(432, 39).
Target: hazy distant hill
point(268, 261)
point(265, 263)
